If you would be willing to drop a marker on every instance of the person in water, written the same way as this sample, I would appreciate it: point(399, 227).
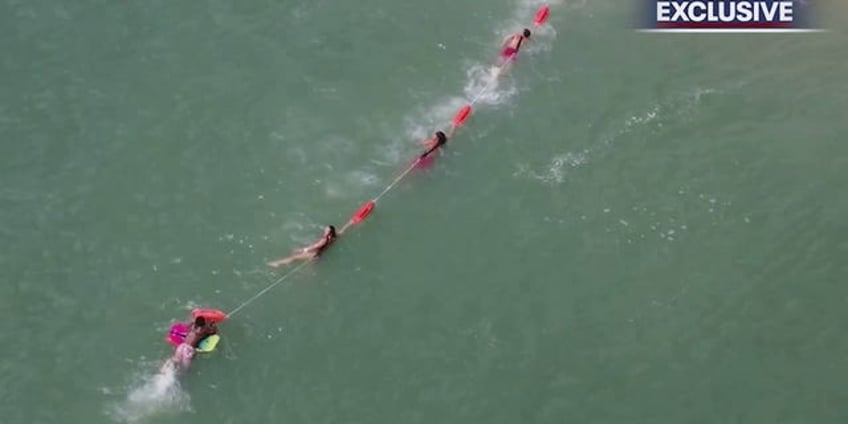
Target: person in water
point(433, 143)
point(312, 251)
point(198, 330)
point(512, 44)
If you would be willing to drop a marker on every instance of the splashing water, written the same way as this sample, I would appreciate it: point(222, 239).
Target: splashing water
point(156, 394)
point(485, 82)
point(484, 86)
point(421, 124)
point(556, 170)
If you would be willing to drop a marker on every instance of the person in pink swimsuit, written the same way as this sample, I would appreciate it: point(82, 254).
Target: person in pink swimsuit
point(512, 44)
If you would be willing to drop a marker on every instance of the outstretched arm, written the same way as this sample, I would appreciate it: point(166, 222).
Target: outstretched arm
point(450, 131)
point(346, 226)
point(315, 246)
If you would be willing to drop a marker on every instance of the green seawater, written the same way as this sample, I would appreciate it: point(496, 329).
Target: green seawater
point(630, 228)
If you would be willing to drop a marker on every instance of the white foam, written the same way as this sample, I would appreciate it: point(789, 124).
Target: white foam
point(555, 171)
point(422, 123)
point(152, 395)
point(485, 82)
point(485, 85)
point(351, 184)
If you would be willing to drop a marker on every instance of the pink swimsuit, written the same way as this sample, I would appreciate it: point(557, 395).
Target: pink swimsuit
point(509, 53)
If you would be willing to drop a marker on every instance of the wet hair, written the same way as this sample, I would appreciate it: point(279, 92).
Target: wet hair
point(332, 231)
point(526, 33)
point(441, 137)
point(200, 321)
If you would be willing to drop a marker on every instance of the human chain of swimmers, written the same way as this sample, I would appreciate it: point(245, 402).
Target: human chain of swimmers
point(200, 334)
point(510, 48)
point(509, 52)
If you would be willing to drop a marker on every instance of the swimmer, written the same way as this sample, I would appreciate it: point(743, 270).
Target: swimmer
point(310, 252)
point(438, 140)
point(511, 45)
point(198, 330)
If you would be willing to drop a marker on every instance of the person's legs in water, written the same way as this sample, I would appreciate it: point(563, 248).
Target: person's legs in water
point(295, 257)
point(183, 355)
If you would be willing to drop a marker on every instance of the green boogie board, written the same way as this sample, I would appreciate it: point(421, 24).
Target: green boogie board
point(208, 344)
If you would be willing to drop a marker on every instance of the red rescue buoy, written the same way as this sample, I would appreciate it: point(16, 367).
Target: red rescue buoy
point(542, 15)
point(210, 315)
point(363, 212)
point(462, 115)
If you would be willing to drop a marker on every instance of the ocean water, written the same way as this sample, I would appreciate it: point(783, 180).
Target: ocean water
point(630, 227)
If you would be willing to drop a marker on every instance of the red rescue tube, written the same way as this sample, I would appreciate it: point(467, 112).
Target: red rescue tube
point(462, 115)
point(363, 212)
point(210, 315)
point(542, 15)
